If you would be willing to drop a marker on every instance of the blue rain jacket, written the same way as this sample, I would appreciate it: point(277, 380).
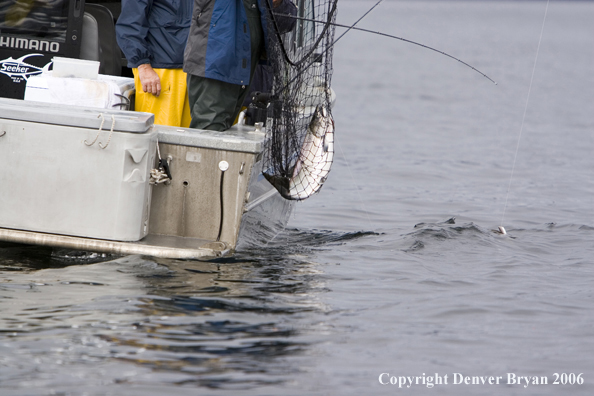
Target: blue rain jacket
point(219, 41)
point(154, 31)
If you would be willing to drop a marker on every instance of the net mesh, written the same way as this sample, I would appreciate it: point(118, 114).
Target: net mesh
point(299, 147)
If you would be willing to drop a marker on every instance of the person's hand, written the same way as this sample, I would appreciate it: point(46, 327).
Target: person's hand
point(276, 3)
point(151, 83)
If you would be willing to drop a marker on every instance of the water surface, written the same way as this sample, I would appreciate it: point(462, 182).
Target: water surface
point(395, 266)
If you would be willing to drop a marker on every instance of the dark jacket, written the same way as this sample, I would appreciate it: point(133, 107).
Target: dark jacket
point(154, 31)
point(219, 43)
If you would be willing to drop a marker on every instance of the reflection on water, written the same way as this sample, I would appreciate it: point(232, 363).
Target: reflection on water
point(227, 323)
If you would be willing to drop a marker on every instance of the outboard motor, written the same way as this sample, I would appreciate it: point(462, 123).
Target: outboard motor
point(31, 34)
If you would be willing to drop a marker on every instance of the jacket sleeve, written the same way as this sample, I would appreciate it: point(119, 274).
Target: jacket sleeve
point(132, 31)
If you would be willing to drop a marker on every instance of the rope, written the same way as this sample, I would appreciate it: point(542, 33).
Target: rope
point(110, 133)
point(159, 175)
point(100, 129)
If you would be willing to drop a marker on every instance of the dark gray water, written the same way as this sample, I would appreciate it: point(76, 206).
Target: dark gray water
point(374, 274)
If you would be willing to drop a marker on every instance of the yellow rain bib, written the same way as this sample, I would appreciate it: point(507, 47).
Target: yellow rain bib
point(171, 107)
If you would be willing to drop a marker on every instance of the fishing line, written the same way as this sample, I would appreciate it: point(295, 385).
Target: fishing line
point(349, 28)
point(390, 36)
point(501, 228)
point(328, 23)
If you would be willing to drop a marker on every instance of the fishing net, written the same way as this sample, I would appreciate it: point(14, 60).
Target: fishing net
point(299, 147)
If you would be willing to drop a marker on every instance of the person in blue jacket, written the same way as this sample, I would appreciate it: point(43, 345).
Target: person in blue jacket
point(226, 41)
point(153, 34)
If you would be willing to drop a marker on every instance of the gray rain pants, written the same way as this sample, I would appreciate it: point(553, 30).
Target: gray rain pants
point(215, 104)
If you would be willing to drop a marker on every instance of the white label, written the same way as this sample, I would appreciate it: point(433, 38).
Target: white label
point(193, 156)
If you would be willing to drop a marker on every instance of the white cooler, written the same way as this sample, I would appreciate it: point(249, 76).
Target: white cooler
point(61, 174)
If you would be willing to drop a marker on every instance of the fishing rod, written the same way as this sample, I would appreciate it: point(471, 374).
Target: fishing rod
point(349, 27)
point(352, 27)
point(328, 23)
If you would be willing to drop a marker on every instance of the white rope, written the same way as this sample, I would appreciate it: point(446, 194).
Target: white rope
point(158, 151)
point(100, 129)
point(110, 133)
point(158, 176)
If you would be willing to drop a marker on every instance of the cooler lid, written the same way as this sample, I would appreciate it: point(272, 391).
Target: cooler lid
point(74, 116)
